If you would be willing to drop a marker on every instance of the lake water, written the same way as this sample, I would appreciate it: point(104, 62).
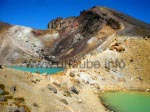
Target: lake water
point(39, 70)
point(127, 101)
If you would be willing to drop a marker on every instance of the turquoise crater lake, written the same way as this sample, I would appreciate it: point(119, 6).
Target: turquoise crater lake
point(39, 70)
point(127, 101)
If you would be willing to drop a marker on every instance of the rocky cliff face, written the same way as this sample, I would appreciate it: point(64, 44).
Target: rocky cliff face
point(91, 32)
point(60, 23)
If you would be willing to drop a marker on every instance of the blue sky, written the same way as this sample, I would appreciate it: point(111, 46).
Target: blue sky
point(37, 13)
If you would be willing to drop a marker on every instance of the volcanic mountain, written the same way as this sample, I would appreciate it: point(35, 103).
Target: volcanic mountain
point(91, 32)
point(116, 45)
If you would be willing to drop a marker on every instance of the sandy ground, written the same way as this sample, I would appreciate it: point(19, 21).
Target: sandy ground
point(33, 87)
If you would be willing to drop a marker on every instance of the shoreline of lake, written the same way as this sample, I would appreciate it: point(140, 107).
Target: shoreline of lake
point(42, 70)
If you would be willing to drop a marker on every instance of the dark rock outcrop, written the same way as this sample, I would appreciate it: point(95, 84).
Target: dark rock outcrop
point(67, 93)
point(64, 101)
point(1, 67)
point(52, 88)
point(74, 89)
point(13, 89)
